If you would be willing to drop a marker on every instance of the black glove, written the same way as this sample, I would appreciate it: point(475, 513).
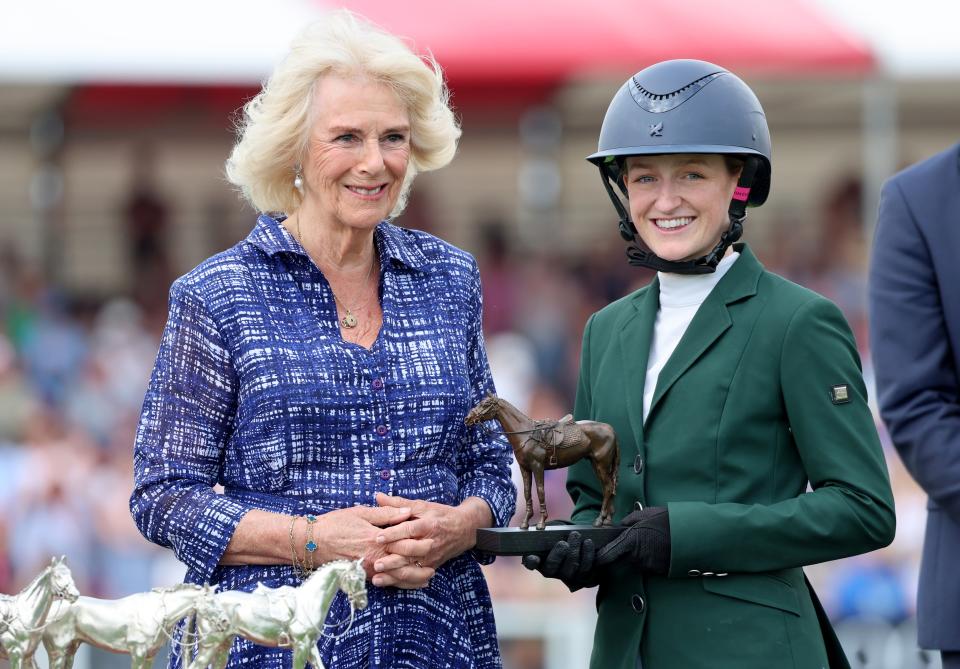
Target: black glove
point(571, 561)
point(646, 541)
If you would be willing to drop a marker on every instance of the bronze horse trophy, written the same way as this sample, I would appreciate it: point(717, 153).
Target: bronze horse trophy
point(543, 444)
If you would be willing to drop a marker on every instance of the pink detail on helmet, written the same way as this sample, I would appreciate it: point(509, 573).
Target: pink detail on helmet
point(741, 193)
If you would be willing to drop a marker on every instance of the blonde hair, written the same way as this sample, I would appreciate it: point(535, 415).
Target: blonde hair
point(272, 136)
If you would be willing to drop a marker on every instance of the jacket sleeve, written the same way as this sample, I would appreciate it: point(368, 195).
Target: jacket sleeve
point(484, 460)
point(917, 384)
point(185, 423)
point(850, 507)
point(582, 484)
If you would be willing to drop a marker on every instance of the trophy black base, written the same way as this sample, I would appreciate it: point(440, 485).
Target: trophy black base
point(514, 541)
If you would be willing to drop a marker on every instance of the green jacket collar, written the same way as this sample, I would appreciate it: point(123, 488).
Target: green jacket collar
point(739, 282)
point(711, 321)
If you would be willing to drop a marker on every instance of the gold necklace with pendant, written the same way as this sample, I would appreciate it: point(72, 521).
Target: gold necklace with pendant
point(349, 321)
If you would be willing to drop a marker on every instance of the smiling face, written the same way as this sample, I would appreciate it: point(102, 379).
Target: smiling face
point(357, 153)
point(679, 202)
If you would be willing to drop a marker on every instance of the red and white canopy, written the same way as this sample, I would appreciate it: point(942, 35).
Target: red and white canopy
point(535, 41)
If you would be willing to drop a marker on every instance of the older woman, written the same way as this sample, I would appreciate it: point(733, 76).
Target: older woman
point(320, 370)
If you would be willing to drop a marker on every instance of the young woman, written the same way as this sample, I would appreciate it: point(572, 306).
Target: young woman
point(730, 389)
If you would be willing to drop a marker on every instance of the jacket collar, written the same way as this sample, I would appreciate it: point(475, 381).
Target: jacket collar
point(711, 321)
point(740, 281)
point(393, 243)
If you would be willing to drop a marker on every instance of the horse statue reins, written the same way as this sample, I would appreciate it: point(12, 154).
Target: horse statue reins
point(553, 434)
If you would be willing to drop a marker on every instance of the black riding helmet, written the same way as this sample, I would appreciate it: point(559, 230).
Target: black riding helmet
point(685, 106)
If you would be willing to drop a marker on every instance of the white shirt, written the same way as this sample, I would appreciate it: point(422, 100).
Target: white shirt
point(680, 297)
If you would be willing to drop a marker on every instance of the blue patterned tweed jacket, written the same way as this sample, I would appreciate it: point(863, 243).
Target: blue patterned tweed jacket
point(255, 389)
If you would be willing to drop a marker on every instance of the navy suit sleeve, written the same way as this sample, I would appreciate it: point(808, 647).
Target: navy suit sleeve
point(917, 383)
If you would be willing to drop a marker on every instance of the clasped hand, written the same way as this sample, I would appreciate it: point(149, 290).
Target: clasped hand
point(446, 530)
point(403, 541)
point(353, 533)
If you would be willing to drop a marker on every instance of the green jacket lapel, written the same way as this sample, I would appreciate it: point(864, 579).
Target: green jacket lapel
point(636, 333)
point(711, 321)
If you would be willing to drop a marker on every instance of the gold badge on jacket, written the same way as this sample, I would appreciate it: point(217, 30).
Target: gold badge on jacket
point(840, 394)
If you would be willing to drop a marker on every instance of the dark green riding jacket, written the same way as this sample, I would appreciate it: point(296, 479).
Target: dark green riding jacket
point(763, 395)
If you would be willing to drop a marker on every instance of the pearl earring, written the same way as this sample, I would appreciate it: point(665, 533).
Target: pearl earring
point(298, 180)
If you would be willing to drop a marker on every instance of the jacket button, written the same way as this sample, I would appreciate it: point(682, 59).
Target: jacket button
point(385, 474)
point(708, 573)
point(693, 572)
point(638, 465)
point(637, 603)
point(381, 430)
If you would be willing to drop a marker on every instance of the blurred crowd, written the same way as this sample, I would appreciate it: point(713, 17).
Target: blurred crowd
point(73, 372)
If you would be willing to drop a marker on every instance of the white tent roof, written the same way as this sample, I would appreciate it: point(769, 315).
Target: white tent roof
point(224, 41)
point(239, 41)
point(913, 39)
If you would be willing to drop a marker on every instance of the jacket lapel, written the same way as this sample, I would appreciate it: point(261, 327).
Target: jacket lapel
point(636, 333)
point(710, 322)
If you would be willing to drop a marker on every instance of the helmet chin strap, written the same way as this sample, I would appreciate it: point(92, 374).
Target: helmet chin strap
point(640, 256)
point(643, 257)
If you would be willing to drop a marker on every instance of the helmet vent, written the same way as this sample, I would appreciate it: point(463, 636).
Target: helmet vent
point(658, 103)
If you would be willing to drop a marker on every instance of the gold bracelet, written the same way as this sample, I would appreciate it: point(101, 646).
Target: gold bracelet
point(310, 546)
point(294, 560)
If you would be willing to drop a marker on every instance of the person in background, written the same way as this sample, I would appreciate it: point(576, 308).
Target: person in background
point(915, 341)
point(321, 369)
point(730, 389)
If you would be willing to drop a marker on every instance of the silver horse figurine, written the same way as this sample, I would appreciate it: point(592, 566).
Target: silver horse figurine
point(24, 616)
point(137, 625)
point(284, 617)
